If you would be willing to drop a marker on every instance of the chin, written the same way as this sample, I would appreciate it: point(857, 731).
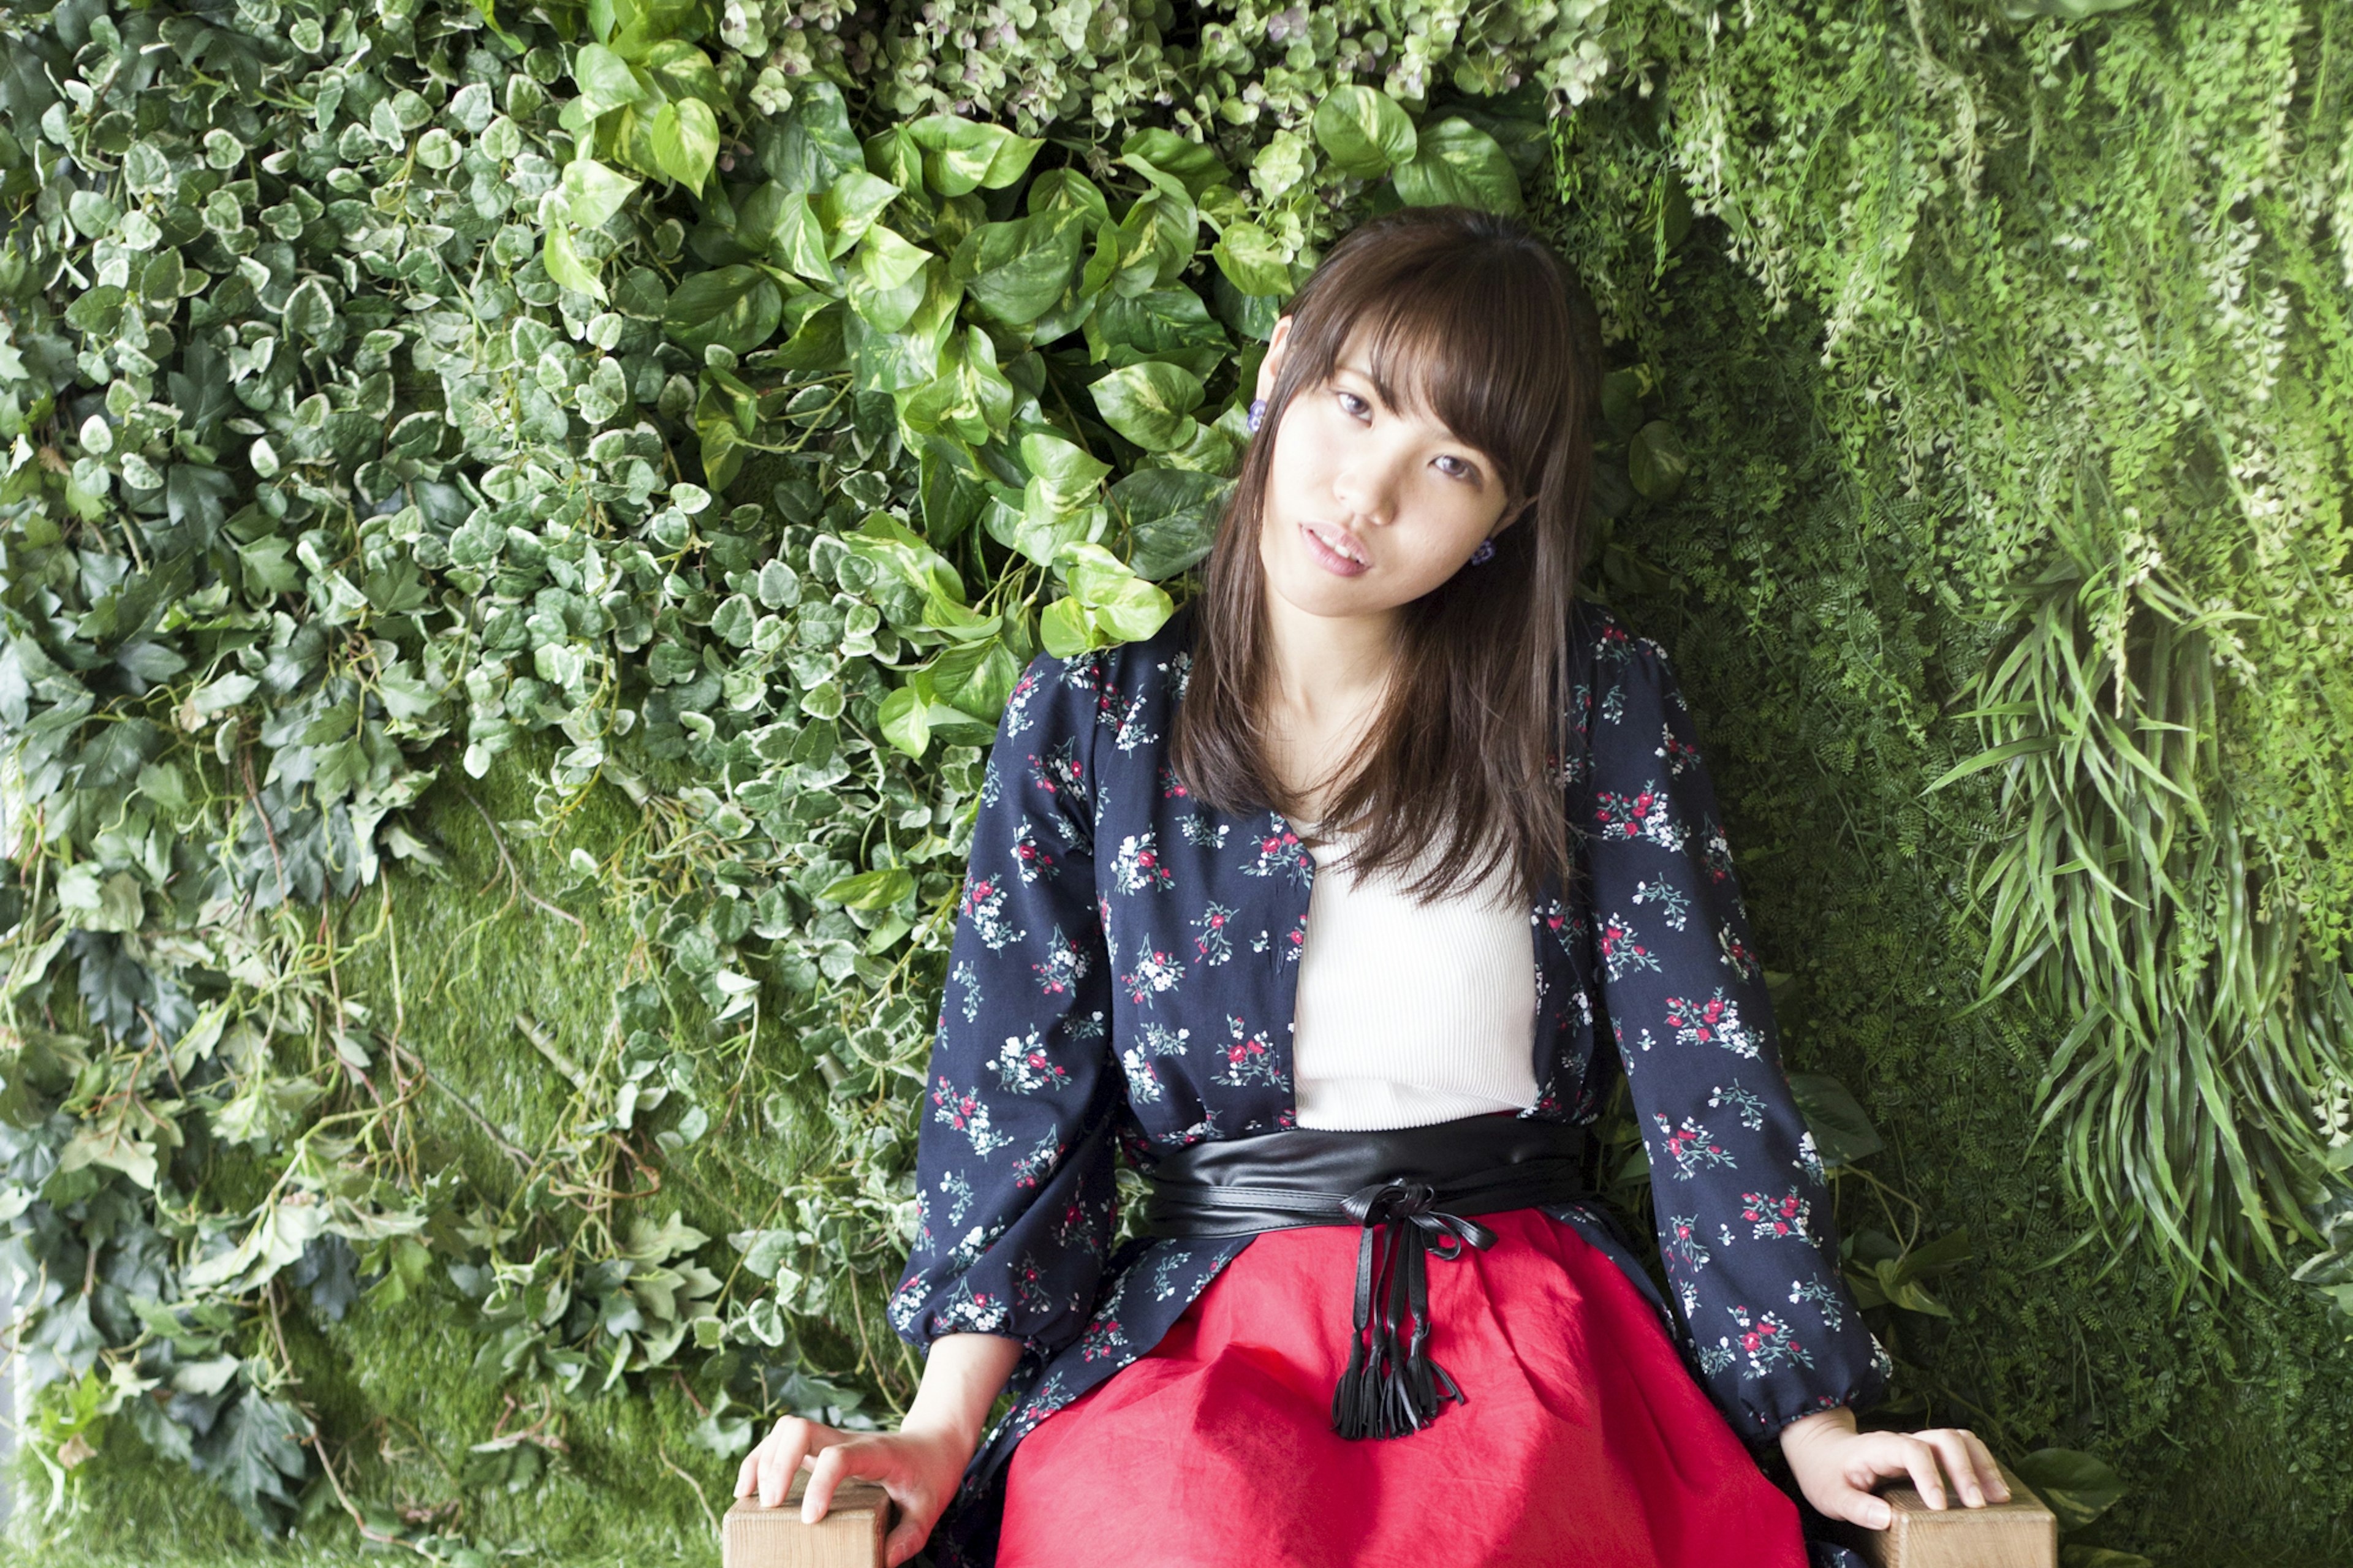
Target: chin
point(1313, 591)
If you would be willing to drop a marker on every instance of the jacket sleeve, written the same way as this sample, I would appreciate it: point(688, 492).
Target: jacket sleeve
point(1743, 1203)
point(1014, 1160)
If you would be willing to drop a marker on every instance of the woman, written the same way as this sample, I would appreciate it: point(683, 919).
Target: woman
point(1375, 1316)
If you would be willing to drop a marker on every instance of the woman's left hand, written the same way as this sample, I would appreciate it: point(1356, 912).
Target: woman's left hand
point(1836, 1466)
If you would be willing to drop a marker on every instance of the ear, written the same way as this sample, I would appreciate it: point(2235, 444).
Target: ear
point(1272, 365)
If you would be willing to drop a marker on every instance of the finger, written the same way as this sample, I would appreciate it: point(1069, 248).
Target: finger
point(1863, 1508)
point(1988, 1472)
point(780, 1456)
point(747, 1474)
point(906, 1538)
point(1952, 1447)
point(834, 1466)
point(1920, 1459)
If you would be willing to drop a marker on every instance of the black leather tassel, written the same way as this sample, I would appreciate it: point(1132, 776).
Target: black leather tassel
point(1392, 1387)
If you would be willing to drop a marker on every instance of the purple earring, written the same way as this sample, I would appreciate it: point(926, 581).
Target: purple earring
point(1257, 413)
point(1487, 551)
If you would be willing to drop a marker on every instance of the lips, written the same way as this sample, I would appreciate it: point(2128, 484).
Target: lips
point(1339, 541)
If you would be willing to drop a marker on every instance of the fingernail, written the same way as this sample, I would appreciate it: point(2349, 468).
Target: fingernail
point(1882, 1517)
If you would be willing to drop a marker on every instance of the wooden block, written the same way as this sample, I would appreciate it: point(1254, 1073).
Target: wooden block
point(2019, 1534)
point(848, 1536)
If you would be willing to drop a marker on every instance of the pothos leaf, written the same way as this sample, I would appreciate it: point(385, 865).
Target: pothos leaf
point(736, 306)
point(686, 141)
point(1455, 161)
point(1364, 132)
point(1150, 402)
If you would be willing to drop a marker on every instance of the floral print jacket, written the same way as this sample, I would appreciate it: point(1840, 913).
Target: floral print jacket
point(1122, 980)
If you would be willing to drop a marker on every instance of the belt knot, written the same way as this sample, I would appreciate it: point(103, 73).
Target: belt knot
point(1391, 1388)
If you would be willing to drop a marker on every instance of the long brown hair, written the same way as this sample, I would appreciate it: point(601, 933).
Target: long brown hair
point(1473, 317)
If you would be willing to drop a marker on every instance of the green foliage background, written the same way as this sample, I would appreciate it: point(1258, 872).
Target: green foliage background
point(518, 525)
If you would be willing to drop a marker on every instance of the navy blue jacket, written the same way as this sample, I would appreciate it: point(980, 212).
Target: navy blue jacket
point(1122, 975)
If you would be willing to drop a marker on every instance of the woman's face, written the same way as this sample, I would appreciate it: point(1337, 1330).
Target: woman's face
point(1349, 475)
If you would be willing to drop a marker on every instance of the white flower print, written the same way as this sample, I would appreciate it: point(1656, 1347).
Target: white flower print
point(1825, 1301)
point(959, 1194)
point(1674, 906)
point(1156, 971)
point(1199, 829)
point(1210, 941)
point(1030, 859)
point(1622, 951)
point(1766, 1339)
point(976, 1241)
point(1679, 756)
point(1249, 1058)
point(1024, 1068)
point(1073, 1231)
point(1158, 1040)
point(1136, 866)
point(1019, 711)
point(905, 1302)
point(984, 905)
point(1061, 775)
point(1773, 1218)
point(1646, 814)
point(1084, 672)
point(1682, 1242)
point(1065, 964)
point(1039, 1164)
point(1048, 1397)
point(1715, 1021)
point(1752, 1110)
point(1126, 720)
point(1690, 1146)
point(1030, 1283)
point(1715, 854)
point(967, 1310)
point(1275, 852)
point(968, 1112)
point(1164, 1273)
point(1736, 954)
point(1103, 1334)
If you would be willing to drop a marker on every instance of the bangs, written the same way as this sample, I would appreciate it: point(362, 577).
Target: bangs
point(1472, 341)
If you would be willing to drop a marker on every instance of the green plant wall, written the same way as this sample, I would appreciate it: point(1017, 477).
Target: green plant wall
point(519, 523)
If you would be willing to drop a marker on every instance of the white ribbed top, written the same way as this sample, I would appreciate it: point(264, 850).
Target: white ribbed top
point(1409, 1014)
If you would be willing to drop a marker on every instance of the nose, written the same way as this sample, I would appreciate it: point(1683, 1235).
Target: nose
point(1369, 478)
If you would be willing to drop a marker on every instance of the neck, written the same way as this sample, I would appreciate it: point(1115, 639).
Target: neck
point(1323, 669)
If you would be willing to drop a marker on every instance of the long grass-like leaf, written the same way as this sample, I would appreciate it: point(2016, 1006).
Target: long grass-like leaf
point(2195, 1039)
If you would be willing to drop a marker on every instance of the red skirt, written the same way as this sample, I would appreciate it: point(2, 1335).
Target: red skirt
point(1585, 1440)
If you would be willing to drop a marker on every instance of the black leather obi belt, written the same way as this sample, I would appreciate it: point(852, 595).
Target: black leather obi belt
point(1410, 1190)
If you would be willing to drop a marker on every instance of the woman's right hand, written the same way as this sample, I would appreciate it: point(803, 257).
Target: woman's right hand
point(920, 1467)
